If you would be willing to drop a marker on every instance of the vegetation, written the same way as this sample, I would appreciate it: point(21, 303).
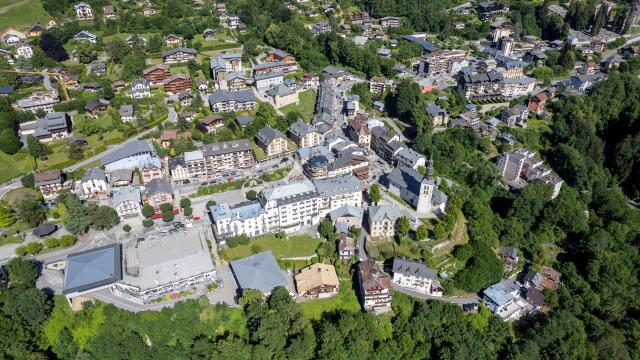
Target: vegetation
point(294, 246)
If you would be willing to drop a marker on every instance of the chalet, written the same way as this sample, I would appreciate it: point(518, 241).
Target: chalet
point(377, 84)
point(140, 89)
point(117, 85)
point(35, 30)
point(416, 276)
point(272, 141)
point(7, 56)
point(202, 86)
point(97, 107)
point(177, 83)
point(92, 86)
point(12, 37)
point(210, 124)
point(390, 22)
point(310, 80)
point(148, 11)
point(358, 131)
point(109, 13)
point(53, 126)
point(156, 74)
point(85, 36)
point(99, 69)
point(179, 55)
point(275, 66)
point(209, 34)
point(244, 120)
point(321, 28)
point(83, 11)
point(127, 113)
point(537, 102)
point(510, 257)
point(374, 287)
point(317, 281)
point(167, 136)
point(346, 247)
point(279, 55)
point(172, 40)
point(517, 115)
point(359, 17)
point(50, 183)
point(185, 98)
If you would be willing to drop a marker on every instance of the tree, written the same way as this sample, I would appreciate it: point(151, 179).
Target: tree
point(185, 203)
point(403, 226)
point(210, 203)
point(36, 148)
point(188, 211)
point(6, 217)
point(126, 228)
point(104, 217)
point(133, 66)
point(78, 221)
point(117, 49)
point(9, 142)
point(21, 272)
point(147, 223)
point(374, 193)
point(86, 52)
point(31, 211)
point(166, 208)
point(28, 181)
point(147, 210)
point(52, 47)
point(75, 152)
point(167, 216)
point(251, 195)
point(422, 232)
point(155, 43)
point(326, 230)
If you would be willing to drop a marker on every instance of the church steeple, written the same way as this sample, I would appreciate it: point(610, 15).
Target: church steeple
point(429, 173)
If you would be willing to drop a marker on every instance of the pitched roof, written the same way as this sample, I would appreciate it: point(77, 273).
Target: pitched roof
point(347, 210)
point(412, 268)
point(267, 134)
point(379, 213)
point(93, 268)
point(372, 277)
point(180, 49)
point(129, 149)
point(155, 67)
point(156, 186)
point(316, 275)
point(259, 272)
point(225, 95)
point(125, 194)
point(280, 90)
point(95, 173)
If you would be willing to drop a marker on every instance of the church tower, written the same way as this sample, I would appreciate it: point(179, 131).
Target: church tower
point(426, 190)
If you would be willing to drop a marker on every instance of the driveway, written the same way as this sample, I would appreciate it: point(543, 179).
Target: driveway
point(226, 293)
point(449, 299)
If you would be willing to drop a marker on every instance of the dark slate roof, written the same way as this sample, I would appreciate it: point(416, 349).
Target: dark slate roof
point(267, 134)
point(44, 229)
point(301, 128)
point(244, 120)
point(412, 268)
point(180, 49)
point(225, 95)
point(129, 149)
point(407, 178)
point(157, 186)
point(95, 173)
point(280, 90)
point(93, 268)
point(426, 45)
point(259, 272)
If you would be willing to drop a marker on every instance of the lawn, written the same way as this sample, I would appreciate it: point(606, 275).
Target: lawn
point(13, 197)
point(257, 150)
point(276, 175)
point(213, 189)
point(295, 246)
point(15, 165)
point(21, 13)
point(345, 300)
point(306, 107)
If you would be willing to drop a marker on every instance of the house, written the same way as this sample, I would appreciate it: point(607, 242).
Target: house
point(83, 11)
point(150, 169)
point(382, 221)
point(259, 272)
point(244, 120)
point(7, 56)
point(185, 98)
point(279, 55)
point(156, 74)
point(305, 135)
point(179, 55)
point(94, 184)
point(268, 80)
point(167, 136)
point(347, 214)
point(310, 80)
point(360, 41)
point(120, 178)
point(612, 63)
point(222, 64)
point(158, 192)
point(385, 143)
point(96, 107)
point(439, 115)
point(211, 123)
point(224, 100)
point(358, 131)
point(177, 83)
point(178, 169)
point(35, 30)
point(415, 275)
point(202, 86)
point(374, 287)
point(504, 301)
point(583, 83)
point(39, 100)
point(359, 16)
point(233, 22)
point(420, 191)
point(317, 281)
point(126, 201)
point(377, 84)
point(390, 22)
point(272, 141)
point(108, 12)
point(532, 279)
point(148, 11)
point(136, 39)
point(12, 37)
point(346, 247)
point(99, 69)
point(409, 158)
point(521, 167)
point(127, 156)
point(85, 36)
point(117, 85)
point(274, 66)
point(282, 95)
point(517, 115)
point(537, 102)
point(510, 257)
point(127, 113)
point(551, 278)
point(140, 89)
point(53, 126)
point(172, 40)
point(50, 183)
point(209, 34)
point(535, 297)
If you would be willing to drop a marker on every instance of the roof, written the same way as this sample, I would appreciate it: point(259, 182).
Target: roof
point(180, 49)
point(129, 149)
point(126, 110)
point(259, 272)
point(379, 213)
point(125, 194)
point(300, 128)
point(155, 67)
point(316, 275)
point(280, 90)
point(498, 294)
point(426, 45)
point(267, 134)
point(272, 64)
point(407, 178)
point(93, 268)
point(279, 53)
point(95, 173)
point(535, 297)
point(48, 177)
point(290, 193)
point(347, 210)
point(156, 186)
point(372, 277)
point(509, 251)
point(225, 95)
point(413, 268)
point(44, 230)
point(179, 76)
point(244, 120)
point(338, 185)
point(533, 277)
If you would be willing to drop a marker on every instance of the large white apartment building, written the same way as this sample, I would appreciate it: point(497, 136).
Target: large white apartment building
point(214, 158)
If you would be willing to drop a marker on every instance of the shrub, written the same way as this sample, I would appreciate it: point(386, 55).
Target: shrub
point(166, 208)
point(251, 195)
point(126, 228)
point(167, 217)
point(232, 241)
point(68, 240)
point(147, 223)
point(244, 239)
point(34, 247)
point(211, 203)
point(187, 211)
point(51, 243)
point(21, 250)
point(147, 210)
point(185, 203)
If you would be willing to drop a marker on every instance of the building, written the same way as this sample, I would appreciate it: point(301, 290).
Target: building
point(140, 89)
point(504, 301)
point(390, 22)
point(158, 192)
point(167, 137)
point(126, 201)
point(12, 37)
point(321, 28)
point(156, 74)
point(406, 157)
point(172, 39)
point(39, 100)
point(210, 124)
point(268, 80)
point(317, 281)
point(85, 36)
point(382, 221)
point(517, 115)
point(374, 287)
point(275, 66)
point(419, 191)
point(128, 156)
point(127, 113)
point(337, 192)
point(521, 167)
point(259, 272)
point(385, 143)
point(272, 141)
point(97, 107)
point(377, 84)
point(223, 64)
point(120, 178)
point(439, 115)
point(279, 55)
point(150, 168)
point(225, 101)
point(185, 98)
point(35, 30)
point(282, 95)
point(358, 131)
point(510, 258)
point(24, 51)
point(83, 11)
point(94, 184)
point(178, 169)
point(346, 247)
point(305, 135)
point(148, 11)
point(347, 214)
point(415, 275)
point(177, 83)
point(53, 126)
point(108, 12)
point(7, 56)
point(218, 157)
point(162, 266)
point(179, 55)
point(487, 10)
point(50, 183)
point(89, 271)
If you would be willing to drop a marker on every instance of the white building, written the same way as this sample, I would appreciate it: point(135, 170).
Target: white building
point(140, 89)
point(520, 167)
point(94, 183)
point(127, 202)
point(24, 51)
point(129, 156)
point(504, 300)
point(83, 11)
point(268, 80)
point(415, 275)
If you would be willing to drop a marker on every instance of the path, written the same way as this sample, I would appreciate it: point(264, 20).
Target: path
point(449, 299)
point(11, 6)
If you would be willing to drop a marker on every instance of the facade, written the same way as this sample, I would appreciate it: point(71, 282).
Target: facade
point(377, 84)
point(282, 95)
point(439, 115)
point(279, 55)
point(83, 11)
point(50, 183)
point(158, 192)
point(39, 100)
point(140, 89)
point(415, 275)
point(225, 101)
point(94, 184)
point(53, 126)
point(127, 113)
point(390, 22)
point(167, 136)
point(419, 191)
point(374, 287)
point(305, 135)
point(520, 167)
point(150, 168)
point(346, 248)
point(172, 40)
point(317, 281)
point(85, 36)
point(126, 201)
point(272, 141)
point(177, 83)
point(385, 143)
point(268, 80)
point(211, 123)
point(504, 301)
point(218, 157)
point(358, 131)
point(156, 74)
point(275, 66)
point(517, 115)
point(179, 55)
point(108, 12)
point(409, 158)
point(178, 170)
point(382, 221)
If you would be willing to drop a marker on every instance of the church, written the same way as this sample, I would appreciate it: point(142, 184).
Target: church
point(419, 191)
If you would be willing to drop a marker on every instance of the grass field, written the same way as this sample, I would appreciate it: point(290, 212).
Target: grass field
point(306, 107)
point(21, 14)
point(295, 246)
point(15, 165)
point(212, 189)
point(13, 197)
point(345, 300)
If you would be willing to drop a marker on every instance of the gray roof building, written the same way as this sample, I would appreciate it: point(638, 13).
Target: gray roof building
point(280, 90)
point(300, 128)
point(259, 272)
point(156, 186)
point(133, 148)
point(244, 120)
point(125, 194)
point(338, 185)
point(347, 210)
point(225, 147)
point(126, 110)
point(379, 213)
point(225, 95)
point(180, 49)
point(267, 134)
point(95, 173)
point(412, 268)
point(93, 268)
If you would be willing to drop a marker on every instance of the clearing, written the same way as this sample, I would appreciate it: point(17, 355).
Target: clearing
point(294, 246)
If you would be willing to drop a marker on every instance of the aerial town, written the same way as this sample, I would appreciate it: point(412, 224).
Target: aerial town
point(223, 161)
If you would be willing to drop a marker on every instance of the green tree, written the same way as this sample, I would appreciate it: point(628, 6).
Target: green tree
point(374, 193)
point(167, 217)
point(28, 181)
point(21, 272)
point(185, 203)
point(147, 210)
point(147, 223)
point(326, 230)
point(86, 52)
point(126, 228)
point(421, 232)
point(78, 221)
point(9, 142)
point(36, 148)
point(155, 44)
point(31, 211)
point(133, 66)
point(251, 195)
point(117, 49)
point(403, 226)
point(67, 240)
point(75, 152)
point(104, 217)
point(7, 218)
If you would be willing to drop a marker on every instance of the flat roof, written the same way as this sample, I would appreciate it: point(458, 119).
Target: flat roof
point(92, 268)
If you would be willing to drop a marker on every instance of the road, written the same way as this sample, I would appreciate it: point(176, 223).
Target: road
point(449, 299)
